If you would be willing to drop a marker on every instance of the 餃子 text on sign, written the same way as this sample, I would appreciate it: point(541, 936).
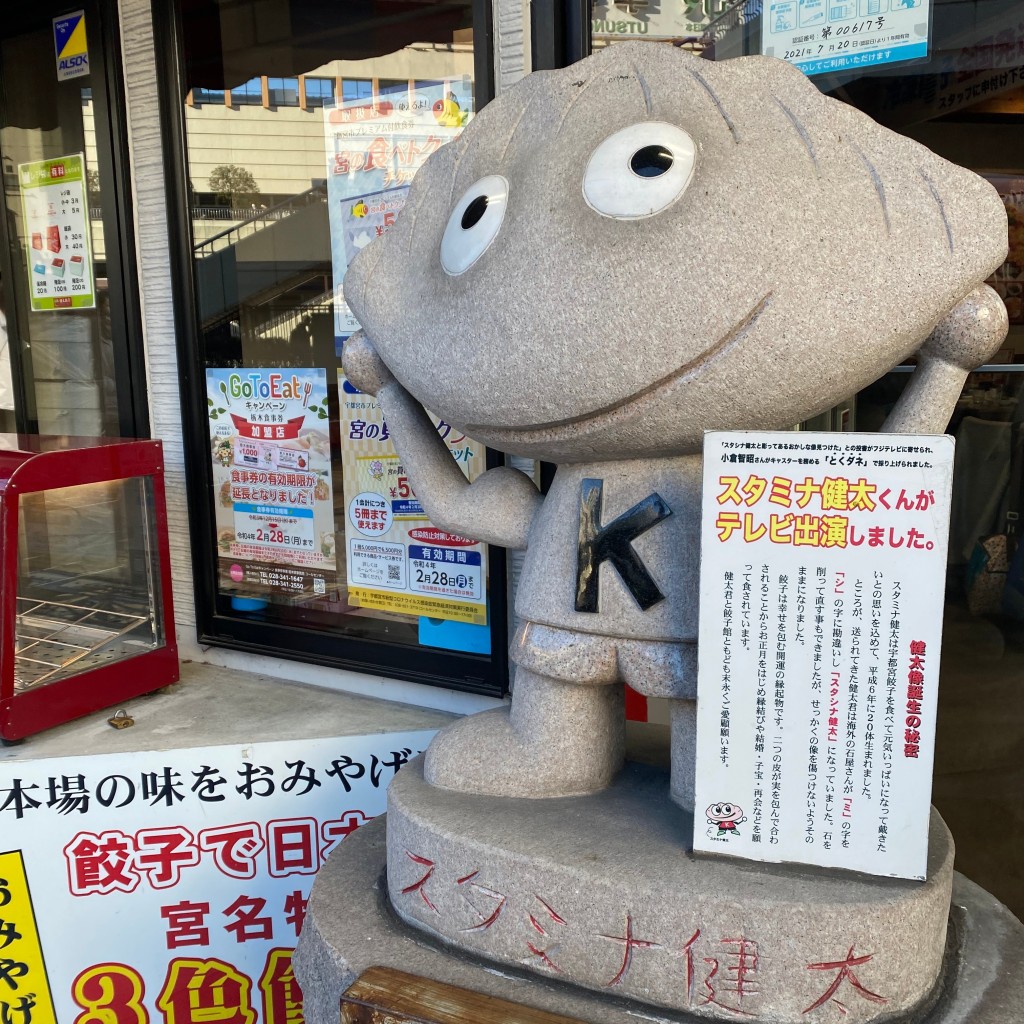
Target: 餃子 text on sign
point(170, 887)
point(823, 562)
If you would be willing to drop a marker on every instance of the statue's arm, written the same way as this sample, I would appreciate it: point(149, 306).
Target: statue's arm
point(498, 507)
point(965, 339)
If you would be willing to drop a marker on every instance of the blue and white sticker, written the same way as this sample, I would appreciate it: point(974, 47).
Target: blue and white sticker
point(820, 36)
point(444, 572)
point(71, 46)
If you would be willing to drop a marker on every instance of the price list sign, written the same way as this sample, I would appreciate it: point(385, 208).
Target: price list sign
point(56, 217)
point(823, 562)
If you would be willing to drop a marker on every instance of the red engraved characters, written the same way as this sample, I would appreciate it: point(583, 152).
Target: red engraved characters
point(729, 978)
point(737, 979)
point(629, 943)
point(486, 919)
point(419, 886)
point(543, 923)
point(845, 969)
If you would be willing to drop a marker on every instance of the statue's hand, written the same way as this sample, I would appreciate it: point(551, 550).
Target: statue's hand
point(363, 366)
point(971, 333)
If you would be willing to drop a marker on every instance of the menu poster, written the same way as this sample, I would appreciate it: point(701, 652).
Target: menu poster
point(273, 492)
point(56, 232)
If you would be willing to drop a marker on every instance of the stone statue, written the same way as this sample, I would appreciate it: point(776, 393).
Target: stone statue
point(612, 259)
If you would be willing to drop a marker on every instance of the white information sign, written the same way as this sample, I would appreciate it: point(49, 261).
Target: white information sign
point(56, 212)
point(823, 562)
point(170, 886)
point(842, 35)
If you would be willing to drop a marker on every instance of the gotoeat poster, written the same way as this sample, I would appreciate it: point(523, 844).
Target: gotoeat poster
point(273, 492)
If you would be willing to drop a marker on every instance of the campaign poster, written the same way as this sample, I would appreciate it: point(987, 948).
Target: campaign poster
point(56, 232)
point(819, 36)
point(374, 147)
point(273, 493)
point(823, 561)
point(397, 560)
point(171, 886)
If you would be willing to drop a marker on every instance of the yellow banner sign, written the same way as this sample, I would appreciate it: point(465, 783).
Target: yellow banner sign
point(25, 995)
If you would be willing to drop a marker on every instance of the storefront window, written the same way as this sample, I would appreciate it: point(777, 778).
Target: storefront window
point(248, 93)
point(313, 524)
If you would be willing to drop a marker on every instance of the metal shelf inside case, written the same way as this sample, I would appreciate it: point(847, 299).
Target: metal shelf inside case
point(54, 638)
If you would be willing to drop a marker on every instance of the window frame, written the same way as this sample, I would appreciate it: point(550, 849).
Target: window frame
point(216, 627)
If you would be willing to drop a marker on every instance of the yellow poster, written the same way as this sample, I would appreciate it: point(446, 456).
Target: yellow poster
point(397, 560)
point(25, 990)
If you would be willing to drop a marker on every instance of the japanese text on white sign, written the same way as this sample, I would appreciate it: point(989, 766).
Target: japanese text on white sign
point(171, 886)
point(839, 35)
point(822, 578)
point(59, 254)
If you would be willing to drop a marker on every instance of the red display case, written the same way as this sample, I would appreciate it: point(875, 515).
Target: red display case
point(86, 618)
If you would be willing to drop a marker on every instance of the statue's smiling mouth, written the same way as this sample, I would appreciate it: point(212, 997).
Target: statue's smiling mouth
point(688, 371)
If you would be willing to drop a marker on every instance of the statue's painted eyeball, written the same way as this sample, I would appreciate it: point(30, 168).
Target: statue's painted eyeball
point(473, 224)
point(639, 170)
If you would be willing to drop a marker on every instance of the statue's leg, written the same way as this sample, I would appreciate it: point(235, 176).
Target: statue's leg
point(558, 738)
point(669, 670)
point(684, 752)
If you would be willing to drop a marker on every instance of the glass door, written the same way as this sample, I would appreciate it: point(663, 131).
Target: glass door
point(66, 364)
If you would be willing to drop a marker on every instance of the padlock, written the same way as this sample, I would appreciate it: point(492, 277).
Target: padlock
point(121, 719)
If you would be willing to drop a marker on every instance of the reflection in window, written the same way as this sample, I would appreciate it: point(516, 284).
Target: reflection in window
point(283, 92)
point(356, 89)
point(386, 88)
point(248, 93)
point(268, 255)
point(202, 95)
point(319, 92)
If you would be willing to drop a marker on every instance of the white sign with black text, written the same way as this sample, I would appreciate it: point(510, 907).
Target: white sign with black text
point(821, 592)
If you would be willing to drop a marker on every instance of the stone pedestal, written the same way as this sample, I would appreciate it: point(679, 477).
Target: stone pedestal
point(592, 907)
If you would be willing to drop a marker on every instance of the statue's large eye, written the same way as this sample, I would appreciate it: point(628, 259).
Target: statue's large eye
point(639, 170)
point(473, 224)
